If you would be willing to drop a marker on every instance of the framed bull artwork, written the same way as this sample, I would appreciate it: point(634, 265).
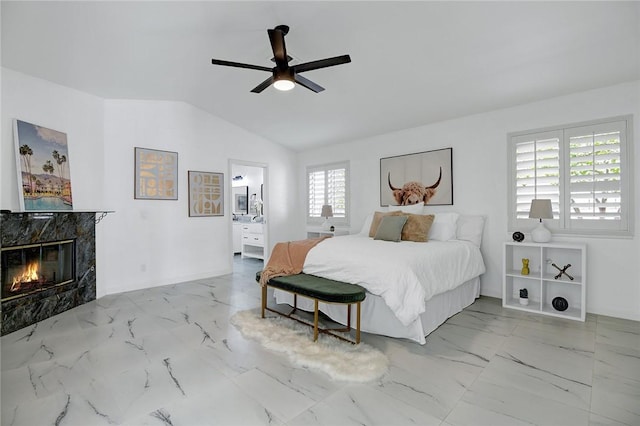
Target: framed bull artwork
point(420, 178)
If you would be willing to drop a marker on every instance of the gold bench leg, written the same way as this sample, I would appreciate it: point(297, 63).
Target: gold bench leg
point(358, 325)
point(315, 320)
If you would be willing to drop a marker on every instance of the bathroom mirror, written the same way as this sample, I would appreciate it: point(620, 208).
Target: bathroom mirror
point(240, 199)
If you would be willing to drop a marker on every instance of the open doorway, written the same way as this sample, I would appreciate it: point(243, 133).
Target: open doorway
point(249, 214)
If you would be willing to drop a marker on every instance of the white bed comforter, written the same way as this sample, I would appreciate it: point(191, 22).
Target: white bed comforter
point(404, 274)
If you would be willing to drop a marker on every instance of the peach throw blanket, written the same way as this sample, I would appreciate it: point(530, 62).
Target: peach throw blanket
point(287, 258)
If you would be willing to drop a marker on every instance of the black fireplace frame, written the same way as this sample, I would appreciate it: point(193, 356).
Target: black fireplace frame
point(33, 228)
point(41, 248)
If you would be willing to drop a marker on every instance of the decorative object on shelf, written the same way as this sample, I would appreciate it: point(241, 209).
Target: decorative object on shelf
point(560, 304)
point(518, 237)
point(156, 174)
point(333, 228)
point(206, 194)
point(327, 212)
point(524, 296)
point(525, 267)
point(541, 209)
point(44, 180)
point(563, 271)
point(427, 178)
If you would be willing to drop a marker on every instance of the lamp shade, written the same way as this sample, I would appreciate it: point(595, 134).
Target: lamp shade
point(540, 209)
point(327, 211)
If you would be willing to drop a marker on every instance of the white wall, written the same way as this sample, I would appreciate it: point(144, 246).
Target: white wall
point(144, 243)
point(154, 242)
point(480, 183)
point(80, 116)
point(75, 113)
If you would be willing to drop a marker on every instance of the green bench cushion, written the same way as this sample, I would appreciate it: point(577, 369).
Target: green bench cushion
point(319, 288)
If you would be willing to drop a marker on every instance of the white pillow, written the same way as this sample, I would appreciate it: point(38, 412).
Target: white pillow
point(469, 228)
point(367, 225)
point(412, 208)
point(444, 227)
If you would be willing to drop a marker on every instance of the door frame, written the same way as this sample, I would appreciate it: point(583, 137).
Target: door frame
point(265, 205)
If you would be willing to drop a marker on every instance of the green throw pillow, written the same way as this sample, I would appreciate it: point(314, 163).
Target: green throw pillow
point(390, 228)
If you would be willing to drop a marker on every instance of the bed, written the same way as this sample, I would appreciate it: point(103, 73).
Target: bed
point(412, 287)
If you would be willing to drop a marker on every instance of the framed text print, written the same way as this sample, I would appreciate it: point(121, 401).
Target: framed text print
point(206, 194)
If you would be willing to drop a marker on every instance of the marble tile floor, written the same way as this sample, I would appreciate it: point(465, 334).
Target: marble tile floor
point(169, 356)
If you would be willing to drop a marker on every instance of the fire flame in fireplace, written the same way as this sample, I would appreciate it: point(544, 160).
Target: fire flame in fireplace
point(30, 274)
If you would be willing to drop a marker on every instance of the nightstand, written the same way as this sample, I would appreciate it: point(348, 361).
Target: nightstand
point(319, 232)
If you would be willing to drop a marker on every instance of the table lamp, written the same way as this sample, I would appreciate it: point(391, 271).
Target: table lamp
point(540, 209)
point(327, 212)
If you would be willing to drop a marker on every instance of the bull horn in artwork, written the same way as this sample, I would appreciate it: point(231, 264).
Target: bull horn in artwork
point(435, 185)
point(391, 186)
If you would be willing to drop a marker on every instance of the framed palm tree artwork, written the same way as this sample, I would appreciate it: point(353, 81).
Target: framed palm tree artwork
point(44, 176)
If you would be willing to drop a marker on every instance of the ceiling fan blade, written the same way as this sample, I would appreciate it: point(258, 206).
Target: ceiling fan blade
point(240, 65)
point(260, 87)
point(322, 63)
point(305, 82)
point(276, 37)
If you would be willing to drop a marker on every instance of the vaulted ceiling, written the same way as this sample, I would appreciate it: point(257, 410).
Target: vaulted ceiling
point(413, 63)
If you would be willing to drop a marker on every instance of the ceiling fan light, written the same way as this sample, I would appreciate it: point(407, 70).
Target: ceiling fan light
point(284, 84)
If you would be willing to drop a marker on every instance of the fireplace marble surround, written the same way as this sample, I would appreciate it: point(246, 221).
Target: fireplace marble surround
point(17, 229)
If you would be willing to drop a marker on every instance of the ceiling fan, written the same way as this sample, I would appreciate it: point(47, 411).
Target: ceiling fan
point(284, 76)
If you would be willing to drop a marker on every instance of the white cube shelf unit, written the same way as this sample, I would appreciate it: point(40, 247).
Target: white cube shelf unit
point(541, 283)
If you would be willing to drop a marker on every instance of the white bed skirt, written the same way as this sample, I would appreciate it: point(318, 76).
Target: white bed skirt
point(377, 318)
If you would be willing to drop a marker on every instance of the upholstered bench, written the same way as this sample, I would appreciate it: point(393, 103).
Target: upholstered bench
point(320, 290)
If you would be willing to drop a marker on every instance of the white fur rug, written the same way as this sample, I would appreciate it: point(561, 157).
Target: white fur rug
point(340, 360)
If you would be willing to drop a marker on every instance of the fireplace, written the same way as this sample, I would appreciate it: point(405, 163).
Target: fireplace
point(47, 265)
point(35, 267)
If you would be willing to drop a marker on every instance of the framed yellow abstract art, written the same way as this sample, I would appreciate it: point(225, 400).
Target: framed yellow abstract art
point(156, 174)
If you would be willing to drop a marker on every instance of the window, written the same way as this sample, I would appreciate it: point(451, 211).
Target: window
point(584, 169)
point(328, 184)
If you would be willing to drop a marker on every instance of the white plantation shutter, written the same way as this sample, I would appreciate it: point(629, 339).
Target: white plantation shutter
point(336, 191)
point(317, 189)
point(595, 181)
point(328, 184)
point(583, 169)
point(537, 165)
